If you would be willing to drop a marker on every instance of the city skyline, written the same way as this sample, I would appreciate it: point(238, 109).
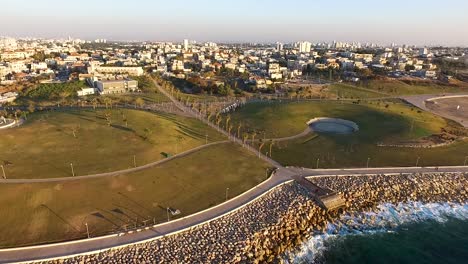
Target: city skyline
point(401, 23)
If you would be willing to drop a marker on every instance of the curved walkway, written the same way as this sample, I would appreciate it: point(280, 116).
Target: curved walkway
point(114, 173)
point(302, 134)
point(420, 102)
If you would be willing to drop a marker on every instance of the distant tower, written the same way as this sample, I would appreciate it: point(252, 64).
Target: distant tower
point(186, 44)
point(279, 46)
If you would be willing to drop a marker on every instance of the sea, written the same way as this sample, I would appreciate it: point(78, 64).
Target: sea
point(394, 233)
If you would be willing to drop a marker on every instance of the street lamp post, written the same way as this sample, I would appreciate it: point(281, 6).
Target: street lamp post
point(368, 160)
point(206, 139)
point(318, 160)
point(167, 211)
point(417, 161)
point(227, 193)
point(87, 229)
point(134, 161)
point(73, 171)
point(3, 170)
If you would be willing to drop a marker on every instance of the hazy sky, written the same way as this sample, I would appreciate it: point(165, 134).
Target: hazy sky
point(422, 22)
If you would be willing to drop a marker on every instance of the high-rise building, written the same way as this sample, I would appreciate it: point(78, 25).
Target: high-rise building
point(305, 46)
point(423, 51)
point(279, 46)
point(186, 44)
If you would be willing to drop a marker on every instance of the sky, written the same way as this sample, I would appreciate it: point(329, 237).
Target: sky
point(419, 22)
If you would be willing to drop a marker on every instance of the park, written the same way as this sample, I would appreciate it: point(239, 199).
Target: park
point(391, 133)
point(86, 171)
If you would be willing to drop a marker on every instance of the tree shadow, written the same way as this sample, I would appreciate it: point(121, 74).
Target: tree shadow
point(99, 215)
point(59, 217)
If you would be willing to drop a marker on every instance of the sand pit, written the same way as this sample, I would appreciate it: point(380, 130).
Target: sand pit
point(332, 125)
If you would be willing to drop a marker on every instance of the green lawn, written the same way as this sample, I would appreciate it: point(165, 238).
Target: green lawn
point(377, 122)
point(343, 90)
point(46, 212)
point(287, 119)
point(148, 97)
point(384, 88)
point(45, 145)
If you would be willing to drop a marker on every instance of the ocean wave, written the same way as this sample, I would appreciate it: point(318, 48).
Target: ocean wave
point(386, 218)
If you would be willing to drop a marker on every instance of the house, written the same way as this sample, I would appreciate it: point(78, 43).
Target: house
point(87, 91)
point(8, 97)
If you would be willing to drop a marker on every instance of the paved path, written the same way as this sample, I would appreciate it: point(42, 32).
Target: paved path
point(203, 119)
point(420, 102)
point(302, 134)
point(114, 173)
point(101, 243)
point(391, 170)
point(95, 244)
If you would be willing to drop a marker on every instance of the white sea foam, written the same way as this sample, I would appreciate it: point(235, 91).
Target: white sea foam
point(385, 219)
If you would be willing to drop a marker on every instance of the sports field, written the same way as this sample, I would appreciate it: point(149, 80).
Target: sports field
point(46, 212)
point(96, 141)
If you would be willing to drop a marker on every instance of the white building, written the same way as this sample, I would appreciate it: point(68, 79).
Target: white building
point(305, 46)
point(279, 46)
point(423, 51)
point(17, 66)
point(135, 71)
point(87, 91)
point(116, 86)
point(38, 66)
point(186, 44)
point(177, 65)
point(4, 71)
point(8, 97)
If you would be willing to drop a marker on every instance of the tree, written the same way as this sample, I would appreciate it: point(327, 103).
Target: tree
point(31, 107)
point(409, 67)
point(228, 118)
point(94, 102)
point(139, 102)
point(107, 102)
point(148, 133)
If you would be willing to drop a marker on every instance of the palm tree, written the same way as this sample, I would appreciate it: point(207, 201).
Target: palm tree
point(107, 101)
point(260, 147)
point(139, 102)
point(228, 118)
point(94, 102)
point(246, 136)
point(108, 116)
point(31, 107)
point(271, 146)
point(253, 136)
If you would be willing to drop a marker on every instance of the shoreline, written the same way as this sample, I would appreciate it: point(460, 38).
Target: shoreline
point(387, 220)
point(283, 219)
